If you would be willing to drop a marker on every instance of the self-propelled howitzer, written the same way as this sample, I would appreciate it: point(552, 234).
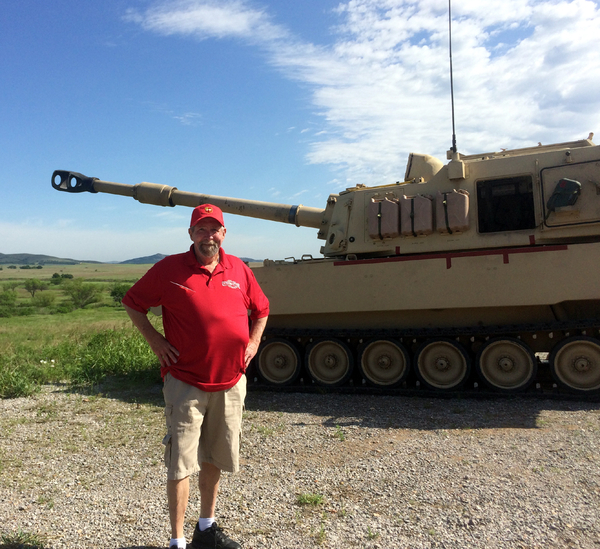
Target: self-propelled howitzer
point(479, 272)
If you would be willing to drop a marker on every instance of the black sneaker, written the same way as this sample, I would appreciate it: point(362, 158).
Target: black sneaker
point(212, 538)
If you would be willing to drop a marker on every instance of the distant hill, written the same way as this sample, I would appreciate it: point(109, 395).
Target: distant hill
point(151, 259)
point(38, 259)
point(144, 260)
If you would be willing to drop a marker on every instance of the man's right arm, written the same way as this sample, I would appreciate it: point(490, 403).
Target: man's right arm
point(166, 353)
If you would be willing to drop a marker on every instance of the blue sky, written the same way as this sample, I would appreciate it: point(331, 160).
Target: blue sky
point(274, 100)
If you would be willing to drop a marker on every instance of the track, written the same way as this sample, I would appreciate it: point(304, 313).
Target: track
point(552, 360)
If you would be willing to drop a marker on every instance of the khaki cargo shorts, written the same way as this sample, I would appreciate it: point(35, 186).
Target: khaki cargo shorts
point(202, 427)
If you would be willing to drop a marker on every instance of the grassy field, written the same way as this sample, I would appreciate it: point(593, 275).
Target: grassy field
point(106, 272)
point(46, 338)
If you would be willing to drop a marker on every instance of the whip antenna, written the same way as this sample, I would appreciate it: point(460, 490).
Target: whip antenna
point(451, 80)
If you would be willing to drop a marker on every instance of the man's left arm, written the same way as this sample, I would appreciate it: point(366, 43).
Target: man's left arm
point(257, 328)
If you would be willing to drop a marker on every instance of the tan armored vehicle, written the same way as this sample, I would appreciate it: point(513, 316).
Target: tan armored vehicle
point(463, 274)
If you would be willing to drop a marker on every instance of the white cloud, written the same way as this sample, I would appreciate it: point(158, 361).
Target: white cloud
point(188, 118)
point(526, 73)
point(208, 19)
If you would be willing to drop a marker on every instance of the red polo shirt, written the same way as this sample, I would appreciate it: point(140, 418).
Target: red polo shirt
point(205, 315)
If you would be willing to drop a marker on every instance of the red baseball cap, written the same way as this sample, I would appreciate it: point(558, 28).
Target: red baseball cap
point(205, 211)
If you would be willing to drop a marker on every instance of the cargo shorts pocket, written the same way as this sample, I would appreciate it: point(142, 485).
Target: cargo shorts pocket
point(167, 440)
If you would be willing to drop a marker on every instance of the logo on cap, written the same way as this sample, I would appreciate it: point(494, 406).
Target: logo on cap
point(208, 209)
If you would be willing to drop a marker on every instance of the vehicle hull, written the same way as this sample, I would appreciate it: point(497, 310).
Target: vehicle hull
point(492, 287)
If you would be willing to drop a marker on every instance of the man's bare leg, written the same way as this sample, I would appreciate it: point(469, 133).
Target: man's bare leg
point(208, 482)
point(178, 493)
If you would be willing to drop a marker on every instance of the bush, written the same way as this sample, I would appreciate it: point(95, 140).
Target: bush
point(8, 303)
point(44, 300)
point(63, 308)
point(24, 310)
point(118, 291)
point(6, 312)
point(12, 285)
point(82, 293)
point(8, 298)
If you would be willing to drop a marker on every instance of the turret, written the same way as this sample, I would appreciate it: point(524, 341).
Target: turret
point(539, 195)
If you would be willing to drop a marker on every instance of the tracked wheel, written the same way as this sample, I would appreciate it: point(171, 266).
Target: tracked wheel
point(329, 362)
point(575, 364)
point(384, 363)
point(442, 364)
point(278, 362)
point(506, 364)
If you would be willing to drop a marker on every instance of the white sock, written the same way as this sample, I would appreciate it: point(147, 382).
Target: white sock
point(179, 542)
point(204, 523)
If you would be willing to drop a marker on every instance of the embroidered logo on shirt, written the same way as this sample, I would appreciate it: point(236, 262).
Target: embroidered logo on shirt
point(231, 284)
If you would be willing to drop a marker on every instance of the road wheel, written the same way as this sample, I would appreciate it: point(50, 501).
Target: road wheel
point(329, 362)
point(442, 364)
point(278, 362)
point(506, 364)
point(575, 364)
point(384, 363)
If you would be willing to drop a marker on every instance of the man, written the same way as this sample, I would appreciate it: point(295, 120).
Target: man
point(205, 296)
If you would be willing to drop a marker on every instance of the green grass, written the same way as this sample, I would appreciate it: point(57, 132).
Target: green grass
point(61, 288)
point(21, 540)
point(339, 433)
point(84, 347)
point(309, 499)
point(85, 357)
point(107, 272)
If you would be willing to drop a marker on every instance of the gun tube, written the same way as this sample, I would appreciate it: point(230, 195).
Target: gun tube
point(165, 195)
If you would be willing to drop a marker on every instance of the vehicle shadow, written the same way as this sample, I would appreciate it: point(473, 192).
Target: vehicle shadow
point(414, 412)
point(421, 410)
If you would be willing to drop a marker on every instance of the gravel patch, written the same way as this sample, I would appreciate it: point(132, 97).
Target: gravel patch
point(373, 472)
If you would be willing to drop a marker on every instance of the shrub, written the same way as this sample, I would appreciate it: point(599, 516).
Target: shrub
point(44, 300)
point(8, 298)
point(6, 312)
point(64, 308)
point(118, 291)
point(12, 285)
point(24, 310)
point(82, 293)
point(8, 303)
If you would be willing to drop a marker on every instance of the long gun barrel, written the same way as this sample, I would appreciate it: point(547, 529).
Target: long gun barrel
point(164, 195)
